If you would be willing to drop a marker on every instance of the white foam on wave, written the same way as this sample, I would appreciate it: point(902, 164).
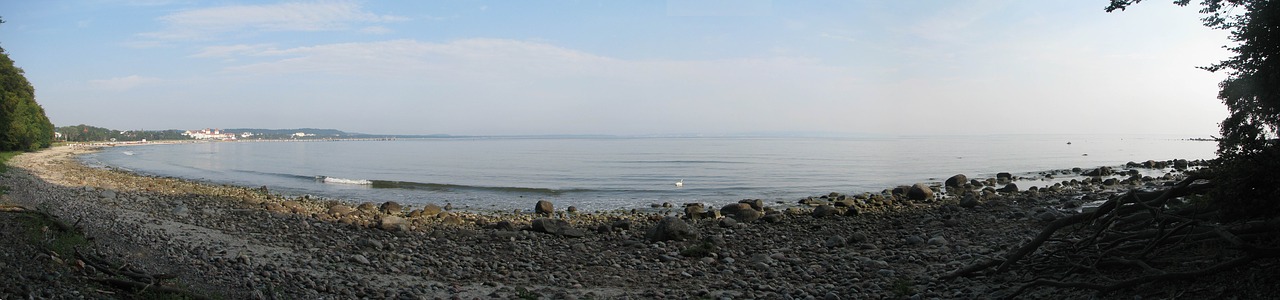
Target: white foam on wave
point(346, 181)
point(129, 153)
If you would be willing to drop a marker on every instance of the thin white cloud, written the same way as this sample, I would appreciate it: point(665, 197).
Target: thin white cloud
point(375, 30)
point(120, 84)
point(208, 23)
point(230, 50)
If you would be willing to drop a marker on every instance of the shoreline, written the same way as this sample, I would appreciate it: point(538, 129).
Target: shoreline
point(500, 198)
point(239, 242)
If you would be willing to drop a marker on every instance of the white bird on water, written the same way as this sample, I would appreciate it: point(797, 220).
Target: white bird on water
point(680, 183)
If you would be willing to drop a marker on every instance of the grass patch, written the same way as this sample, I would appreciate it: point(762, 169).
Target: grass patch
point(43, 231)
point(4, 159)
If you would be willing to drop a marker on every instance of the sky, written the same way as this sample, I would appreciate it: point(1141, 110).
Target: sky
point(622, 67)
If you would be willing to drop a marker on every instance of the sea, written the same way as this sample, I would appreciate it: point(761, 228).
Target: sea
point(623, 173)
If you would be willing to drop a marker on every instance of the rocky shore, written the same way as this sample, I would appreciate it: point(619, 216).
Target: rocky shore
point(247, 243)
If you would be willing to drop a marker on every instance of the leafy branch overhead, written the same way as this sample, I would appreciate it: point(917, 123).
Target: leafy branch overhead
point(23, 124)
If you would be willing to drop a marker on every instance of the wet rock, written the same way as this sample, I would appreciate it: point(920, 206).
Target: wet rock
point(391, 208)
point(1100, 171)
point(810, 201)
point(937, 241)
point(368, 207)
point(671, 228)
point(755, 204)
point(543, 207)
point(919, 191)
point(621, 224)
point(694, 211)
point(1008, 188)
point(956, 181)
point(1004, 177)
point(556, 227)
point(846, 202)
point(825, 211)
point(742, 212)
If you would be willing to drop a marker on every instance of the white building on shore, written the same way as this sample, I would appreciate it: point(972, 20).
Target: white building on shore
point(209, 134)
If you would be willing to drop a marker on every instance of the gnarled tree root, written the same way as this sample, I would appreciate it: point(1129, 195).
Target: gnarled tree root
point(1134, 230)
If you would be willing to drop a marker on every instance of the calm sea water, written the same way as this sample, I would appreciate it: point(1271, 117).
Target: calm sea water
point(624, 173)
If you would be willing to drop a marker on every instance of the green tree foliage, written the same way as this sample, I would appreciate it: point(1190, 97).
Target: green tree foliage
point(23, 124)
point(1248, 176)
point(86, 133)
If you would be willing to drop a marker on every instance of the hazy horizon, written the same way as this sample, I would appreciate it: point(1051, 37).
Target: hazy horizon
point(612, 68)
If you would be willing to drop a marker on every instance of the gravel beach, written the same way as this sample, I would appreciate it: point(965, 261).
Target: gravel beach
point(246, 243)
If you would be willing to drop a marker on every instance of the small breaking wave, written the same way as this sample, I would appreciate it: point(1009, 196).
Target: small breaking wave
point(440, 187)
point(336, 180)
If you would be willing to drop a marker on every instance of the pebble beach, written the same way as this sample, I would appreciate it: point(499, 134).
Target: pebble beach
point(234, 242)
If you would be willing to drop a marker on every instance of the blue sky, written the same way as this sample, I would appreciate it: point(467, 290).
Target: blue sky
point(621, 67)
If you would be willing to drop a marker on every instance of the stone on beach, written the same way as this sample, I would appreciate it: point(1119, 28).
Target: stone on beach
point(368, 207)
point(671, 228)
point(957, 181)
point(919, 191)
point(393, 223)
point(544, 207)
point(742, 212)
point(825, 211)
point(557, 227)
point(694, 211)
point(390, 207)
point(431, 210)
point(338, 210)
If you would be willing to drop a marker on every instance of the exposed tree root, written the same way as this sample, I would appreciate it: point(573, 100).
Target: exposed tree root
point(1140, 235)
point(121, 276)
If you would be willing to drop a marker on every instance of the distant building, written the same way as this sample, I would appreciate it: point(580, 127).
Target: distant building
point(209, 134)
point(303, 134)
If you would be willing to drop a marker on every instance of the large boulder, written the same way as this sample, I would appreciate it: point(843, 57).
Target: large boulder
point(556, 227)
point(368, 207)
point(825, 211)
point(956, 181)
point(431, 210)
point(1004, 176)
point(741, 212)
point(337, 210)
point(1008, 188)
point(755, 204)
point(919, 191)
point(694, 211)
point(544, 207)
point(671, 228)
point(390, 208)
point(393, 223)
